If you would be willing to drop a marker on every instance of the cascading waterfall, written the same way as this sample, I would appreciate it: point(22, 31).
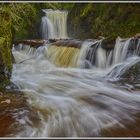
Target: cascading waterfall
point(72, 101)
point(120, 50)
point(54, 24)
point(63, 56)
point(68, 84)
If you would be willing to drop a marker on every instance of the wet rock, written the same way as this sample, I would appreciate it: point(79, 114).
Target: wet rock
point(13, 111)
point(108, 43)
point(127, 130)
point(8, 101)
point(137, 35)
point(137, 86)
point(131, 75)
point(69, 43)
point(37, 42)
point(133, 44)
point(11, 87)
point(34, 43)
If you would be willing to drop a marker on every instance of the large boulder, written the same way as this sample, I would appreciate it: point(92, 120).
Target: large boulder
point(126, 73)
point(132, 74)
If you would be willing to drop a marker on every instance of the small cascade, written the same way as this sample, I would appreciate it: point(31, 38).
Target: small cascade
point(85, 49)
point(119, 69)
point(23, 51)
point(86, 54)
point(63, 56)
point(54, 24)
point(91, 53)
point(71, 84)
point(121, 50)
point(70, 100)
point(102, 58)
point(136, 49)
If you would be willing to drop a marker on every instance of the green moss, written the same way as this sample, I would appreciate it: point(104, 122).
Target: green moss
point(5, 47)
point(5, 53)
point(86, 10)
point(109, 20)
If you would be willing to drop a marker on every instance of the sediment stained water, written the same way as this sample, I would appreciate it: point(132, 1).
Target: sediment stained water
point(73, 101)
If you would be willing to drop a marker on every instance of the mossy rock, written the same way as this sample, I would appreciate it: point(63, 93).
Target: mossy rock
point(5, 53)
point(5, 62)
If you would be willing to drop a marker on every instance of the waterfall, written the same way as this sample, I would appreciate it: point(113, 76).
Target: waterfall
point(70, 86)
point(54, 24)
point(102, 58)
point(88, 54)
point(72, 101)
point(120, 50)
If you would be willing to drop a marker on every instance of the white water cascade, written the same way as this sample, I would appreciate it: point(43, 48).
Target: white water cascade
point(73, 101)
point(54, 24)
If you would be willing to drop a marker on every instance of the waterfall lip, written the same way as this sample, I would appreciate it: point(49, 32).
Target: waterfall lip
point(53, 10)
point(54, 24)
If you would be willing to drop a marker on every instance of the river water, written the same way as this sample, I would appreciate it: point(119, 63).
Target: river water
point(70, 89)
point(73, 101)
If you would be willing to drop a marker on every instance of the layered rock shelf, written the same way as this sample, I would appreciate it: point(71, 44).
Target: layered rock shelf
point(107, 43)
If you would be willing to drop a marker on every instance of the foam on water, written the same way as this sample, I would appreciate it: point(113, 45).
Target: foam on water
point(71, 101)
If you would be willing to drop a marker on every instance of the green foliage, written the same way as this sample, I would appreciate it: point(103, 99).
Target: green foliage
point(86, 10)
point(5, 40)
point(65, 6)
point(109, 20)
point(5, 53)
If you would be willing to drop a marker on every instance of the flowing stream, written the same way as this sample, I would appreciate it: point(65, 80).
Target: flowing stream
point(69, 86)
point(54, 24)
